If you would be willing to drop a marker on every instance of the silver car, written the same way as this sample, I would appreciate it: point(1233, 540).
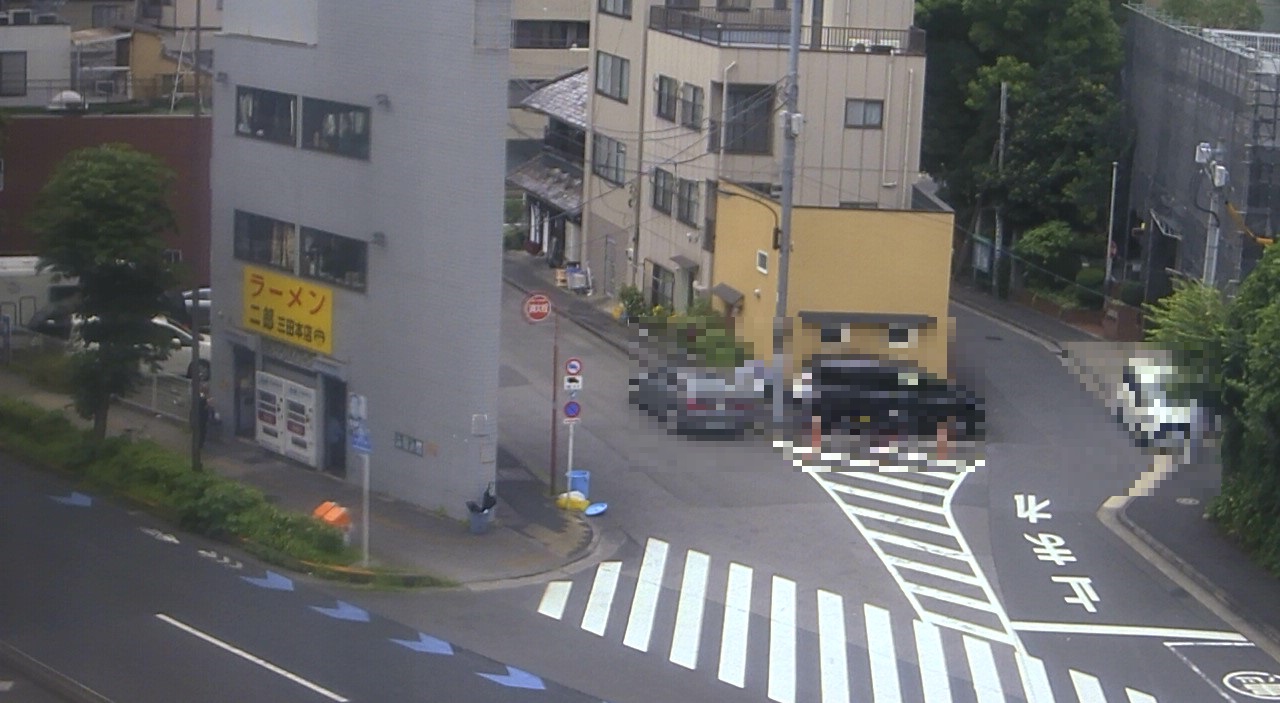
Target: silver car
point(1150, 412)
point(695, 400)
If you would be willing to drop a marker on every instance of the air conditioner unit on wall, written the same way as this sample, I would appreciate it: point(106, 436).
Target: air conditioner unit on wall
point(20, 16)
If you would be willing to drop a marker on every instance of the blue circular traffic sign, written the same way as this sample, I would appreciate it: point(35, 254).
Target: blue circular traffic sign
point(573, 366)
point(572, 409)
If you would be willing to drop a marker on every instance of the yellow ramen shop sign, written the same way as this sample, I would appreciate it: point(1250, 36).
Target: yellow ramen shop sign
point(289, 309)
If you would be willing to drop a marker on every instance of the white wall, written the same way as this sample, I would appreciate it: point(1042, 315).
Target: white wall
point(48, 48)
point(282, 20)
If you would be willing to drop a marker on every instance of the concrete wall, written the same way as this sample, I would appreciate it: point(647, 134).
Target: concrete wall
point(421, 342)
point(38, 143)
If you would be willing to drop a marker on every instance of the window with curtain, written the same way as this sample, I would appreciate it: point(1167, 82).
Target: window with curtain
point(263, 240)
point(266, 114)
point(337, 128)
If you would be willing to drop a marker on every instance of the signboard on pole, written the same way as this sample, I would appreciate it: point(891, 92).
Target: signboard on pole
point(357, 424)
point(573, 366)
point(572, 409)
point(536, 307)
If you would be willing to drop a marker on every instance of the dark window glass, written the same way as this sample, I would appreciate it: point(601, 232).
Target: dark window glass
point(337, 128)
point(13, 74)
point(687, 197)
point(263, 240)
point(620, 8)
point(549, 34)
point(609, 159)
point(664, 190)
point(334, 259)
point(749, 127)
point(613, 76)
point(691, 100)
point(667, 96)
point(266, 114)
point(863, 114)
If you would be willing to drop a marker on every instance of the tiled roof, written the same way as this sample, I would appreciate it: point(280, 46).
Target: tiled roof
point(554, 180)
point(564, 98)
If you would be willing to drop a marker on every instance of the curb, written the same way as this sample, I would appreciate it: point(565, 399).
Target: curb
point(593, 552)
point(47, 677)
point(588, 328)
point(1008, 322)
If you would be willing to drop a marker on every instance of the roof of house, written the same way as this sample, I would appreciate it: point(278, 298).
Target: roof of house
point(552, 179)
point(564, 98)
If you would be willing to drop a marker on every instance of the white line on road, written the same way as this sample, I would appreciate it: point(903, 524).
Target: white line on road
point(1035, 680)
point(554, 599)
point(737, 615)
point(1139, 696)
point(885, 687)
point(927, 547)
point(933, 663)
point(889, 498)
point(688, 632)
point(782, 641)
point(982, 665)
point(251, 658)
point(600, 601)
point(1088, 688)
point(878, 477)
point(1126, 630)
point(833, 660)
point(899, 520)
point(645, 602)
point(953, 598)
point(949, 574)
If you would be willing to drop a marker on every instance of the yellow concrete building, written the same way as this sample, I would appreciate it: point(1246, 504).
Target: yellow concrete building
point(862, 281)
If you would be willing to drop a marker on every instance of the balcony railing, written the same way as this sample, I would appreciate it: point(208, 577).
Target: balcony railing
point(771, 29)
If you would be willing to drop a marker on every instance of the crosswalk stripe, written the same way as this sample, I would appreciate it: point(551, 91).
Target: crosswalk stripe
point(554, 599)
point(601, 600)
point(899, 520)
point(949, 574)
point(644, 603)
point(1088, 688)
point(927, 547)
point(982, 666)
point(976, 630)
point(1035, 680)
point(948, 596)
point(737, 616)
point(879, 477)
point(688, 631)
point(833, 661)
point(889, 498)
point(1139, 696)
point(885, 687)
point(933, 663)
point(782, 641)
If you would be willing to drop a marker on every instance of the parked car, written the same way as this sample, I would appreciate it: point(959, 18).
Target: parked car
point(52, 320)
point(180, 361)
point(1149, 410)
point(852, 394)
point(695, 400)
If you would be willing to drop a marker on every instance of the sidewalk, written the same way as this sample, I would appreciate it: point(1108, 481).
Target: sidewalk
point(530, 536)
point(1169, 521)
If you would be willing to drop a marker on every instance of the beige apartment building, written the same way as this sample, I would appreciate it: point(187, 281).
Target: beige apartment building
point(687, 93)
point(549, 38)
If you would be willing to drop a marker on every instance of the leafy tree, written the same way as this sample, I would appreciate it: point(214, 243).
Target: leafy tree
point(1048, 248)
point(1191, 323)
point(100, 219)
point(1216, 14)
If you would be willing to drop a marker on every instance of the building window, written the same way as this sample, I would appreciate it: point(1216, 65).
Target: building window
point(13, 74)
point(263, 240)
point(762, 261)
point(687, 202)
point(684, 4)
point(613, 73)
point(733, 4)
point(107, 15)
point(266, 114)
point(662, 287)
point(863, 114)
point(549, 34)
point(667, 89)
point(901, 336)
point(691, 102)
point(749, 113)
point(172, 256)
point(609, 159)
point(334, 259)
point(337, 128)
point(664, 190)
point(619, 8)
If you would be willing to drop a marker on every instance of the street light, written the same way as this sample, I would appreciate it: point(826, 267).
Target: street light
point(1207, 157)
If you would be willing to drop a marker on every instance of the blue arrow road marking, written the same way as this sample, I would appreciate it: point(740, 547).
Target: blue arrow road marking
point(428, 644)
point(344, 611)
point(76, 498)
point(515, 678)
point(272, 580)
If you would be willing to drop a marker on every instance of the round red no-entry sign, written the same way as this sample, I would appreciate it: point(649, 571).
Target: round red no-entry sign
point(537, 307)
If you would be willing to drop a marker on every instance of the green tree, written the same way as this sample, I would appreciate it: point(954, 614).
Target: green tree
point(1191, 323)
point(1216, 14)
point(100, 219)
point(1048, 249)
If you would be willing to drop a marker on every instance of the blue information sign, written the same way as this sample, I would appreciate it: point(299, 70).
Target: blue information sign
point(360, 441)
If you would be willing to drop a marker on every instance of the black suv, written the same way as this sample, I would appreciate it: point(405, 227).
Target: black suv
point(869, 394)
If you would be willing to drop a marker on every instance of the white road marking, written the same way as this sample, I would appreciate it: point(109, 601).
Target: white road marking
point(982, 665)
point(1088, 688)
point(885, 687)
point(1035, 680)
point(954, 598)
point(554, 599)
point(782, 641)
point(645, 602)
point(832, 658)
point(1126, 630)
point(737, 615)
point(252, 658)
point(949, 574)
point(933, 663)
point(878, 477)
point(688, 632)
point(887, 498)
point(927, 547)
point(1139, 696)
point(600, 601)
point(899, 520)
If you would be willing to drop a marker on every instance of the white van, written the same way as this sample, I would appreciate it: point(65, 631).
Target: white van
point(24, 290)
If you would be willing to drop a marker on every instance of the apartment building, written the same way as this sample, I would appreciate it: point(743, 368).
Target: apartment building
point(354, 259)
point(685, 93)
point(35, 60)
point(548, 39)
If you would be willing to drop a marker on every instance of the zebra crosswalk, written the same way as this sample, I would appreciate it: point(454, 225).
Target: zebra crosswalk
point(763, 631)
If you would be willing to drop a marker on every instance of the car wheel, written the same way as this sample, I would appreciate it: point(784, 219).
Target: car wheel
point(203, 370)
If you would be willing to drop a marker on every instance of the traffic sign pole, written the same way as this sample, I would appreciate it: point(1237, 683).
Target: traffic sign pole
point(570, 466)
point(555, 399)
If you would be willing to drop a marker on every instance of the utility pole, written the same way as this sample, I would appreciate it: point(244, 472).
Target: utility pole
point(1111, 221)
point(790, 130)
point(998, 249)
point(199, 410)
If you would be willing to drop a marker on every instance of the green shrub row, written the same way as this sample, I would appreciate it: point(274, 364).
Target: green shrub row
point(1246, 510)
point(203, 503)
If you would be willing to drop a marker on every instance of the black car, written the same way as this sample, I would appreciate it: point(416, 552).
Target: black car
point(853, 394)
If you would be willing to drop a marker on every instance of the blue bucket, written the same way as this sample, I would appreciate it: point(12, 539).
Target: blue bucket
point(580, 481)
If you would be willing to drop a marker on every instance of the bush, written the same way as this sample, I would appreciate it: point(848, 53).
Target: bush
point(632, 301)
point(1246, 510)
point(512, 210)
point(1088, 288)
point(513, 237)
point(1131, 293)
point(1049, 253)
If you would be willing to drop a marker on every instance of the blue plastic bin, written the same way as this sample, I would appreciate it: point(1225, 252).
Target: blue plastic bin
point(580, 481)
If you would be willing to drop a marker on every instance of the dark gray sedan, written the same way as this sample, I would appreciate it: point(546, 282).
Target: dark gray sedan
point(694, 401)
